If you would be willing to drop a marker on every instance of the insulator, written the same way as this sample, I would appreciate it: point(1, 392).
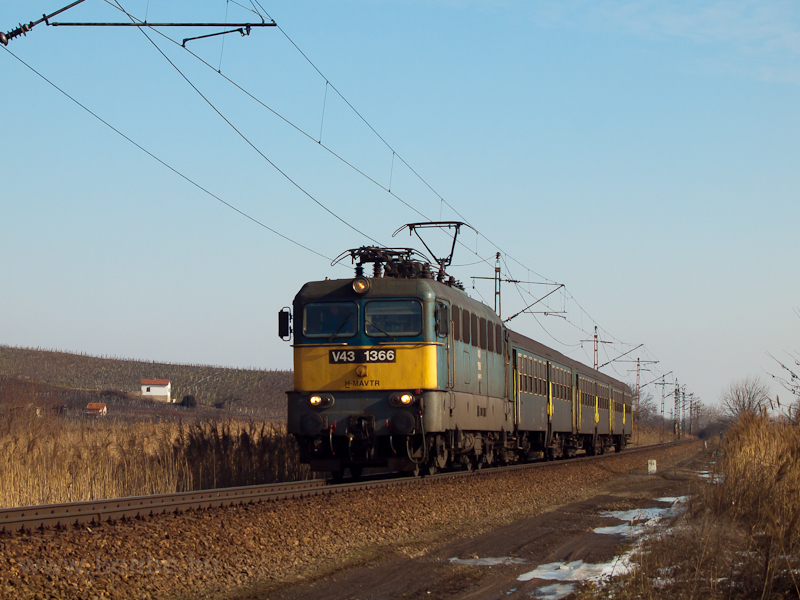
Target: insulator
point(376, 269)
point(359, 270)
point(3, 39)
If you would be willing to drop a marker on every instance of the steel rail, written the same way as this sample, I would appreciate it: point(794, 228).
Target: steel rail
point(26, 518)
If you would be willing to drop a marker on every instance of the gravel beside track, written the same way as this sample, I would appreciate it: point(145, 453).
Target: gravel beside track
point(244, 551)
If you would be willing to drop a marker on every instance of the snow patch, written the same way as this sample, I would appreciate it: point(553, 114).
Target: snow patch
point(578, 570)
point(556, 591)
point(487, 561)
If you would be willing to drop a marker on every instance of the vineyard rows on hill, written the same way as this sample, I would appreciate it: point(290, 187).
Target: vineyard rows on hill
point(236, 389)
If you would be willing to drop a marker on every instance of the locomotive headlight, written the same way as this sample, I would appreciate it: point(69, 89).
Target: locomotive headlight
point(401, 399)
point(321, 400)
point(360, 285)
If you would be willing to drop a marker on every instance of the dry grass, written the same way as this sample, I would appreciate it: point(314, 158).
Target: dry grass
point(48, 459)
point(645, 434)
point(739, 537)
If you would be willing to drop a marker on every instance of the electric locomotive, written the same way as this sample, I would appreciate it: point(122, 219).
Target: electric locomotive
point(403, 370)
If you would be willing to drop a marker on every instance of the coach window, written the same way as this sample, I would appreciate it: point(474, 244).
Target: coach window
point(456, 323)
point(524, 371)
point(474, 323)
point(528, 375)
point(539, 382)
point(465, 326)
point(393, 318)
point(531, 370)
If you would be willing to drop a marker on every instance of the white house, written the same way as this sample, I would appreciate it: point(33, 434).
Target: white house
point(159, 390)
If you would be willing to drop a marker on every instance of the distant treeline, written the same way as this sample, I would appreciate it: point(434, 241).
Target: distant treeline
point(237, 389)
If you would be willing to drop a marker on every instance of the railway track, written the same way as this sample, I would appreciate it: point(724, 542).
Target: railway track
point(27, 518)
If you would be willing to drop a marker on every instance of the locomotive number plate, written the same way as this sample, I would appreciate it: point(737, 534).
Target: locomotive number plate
point(336, 357)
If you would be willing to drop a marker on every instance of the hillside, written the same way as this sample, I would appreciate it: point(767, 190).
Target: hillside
point(245, 390)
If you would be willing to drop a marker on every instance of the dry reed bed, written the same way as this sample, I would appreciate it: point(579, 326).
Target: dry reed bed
point(739, 537)
point(46, 460)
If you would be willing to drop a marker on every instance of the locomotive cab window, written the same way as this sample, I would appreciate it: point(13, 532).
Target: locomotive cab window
point(393, 318)
point(330, 319)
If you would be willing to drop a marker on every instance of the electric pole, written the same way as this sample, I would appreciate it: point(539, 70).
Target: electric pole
point(596, 341)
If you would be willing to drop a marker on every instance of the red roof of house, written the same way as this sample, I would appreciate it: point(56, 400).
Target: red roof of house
point(95, 406)
point(155, 381)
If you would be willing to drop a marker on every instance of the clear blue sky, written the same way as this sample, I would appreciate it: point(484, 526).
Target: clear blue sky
point(645, 154)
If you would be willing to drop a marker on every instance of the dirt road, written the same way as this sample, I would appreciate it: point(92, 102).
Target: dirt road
point(486, 565)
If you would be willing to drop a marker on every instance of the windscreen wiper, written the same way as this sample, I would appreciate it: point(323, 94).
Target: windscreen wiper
point(339, 328)
point(371, 324)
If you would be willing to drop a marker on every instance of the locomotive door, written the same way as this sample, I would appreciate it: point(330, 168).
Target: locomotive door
point(444, 335)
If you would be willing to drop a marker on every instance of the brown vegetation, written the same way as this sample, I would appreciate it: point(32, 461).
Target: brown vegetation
point(740, 537)
point(47, 457)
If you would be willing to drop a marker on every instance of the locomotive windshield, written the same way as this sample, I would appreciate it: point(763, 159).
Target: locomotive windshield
point(330, 319)
point(393, 318)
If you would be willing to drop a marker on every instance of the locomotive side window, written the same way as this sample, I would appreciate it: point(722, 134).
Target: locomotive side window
point(330, 319)
point(456, 323)
point(490, 337)
point(482, 326)
point(393, 318)
point(499, 341)
point(465, 326)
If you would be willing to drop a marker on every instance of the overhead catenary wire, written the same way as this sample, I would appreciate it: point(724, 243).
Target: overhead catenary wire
point(117, 6)
point(247, 140)
point(276, 113)
point(171, 168)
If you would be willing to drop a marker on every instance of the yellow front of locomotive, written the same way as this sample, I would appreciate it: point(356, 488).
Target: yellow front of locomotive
point(365, 355)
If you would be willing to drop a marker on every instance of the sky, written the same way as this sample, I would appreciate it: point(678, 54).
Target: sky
point(643, 154)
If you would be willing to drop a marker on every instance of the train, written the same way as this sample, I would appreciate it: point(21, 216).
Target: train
point(402, 370)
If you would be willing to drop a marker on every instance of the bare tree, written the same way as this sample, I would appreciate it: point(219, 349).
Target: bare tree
point(789, 376)
point(708, 414)
point(747, 396)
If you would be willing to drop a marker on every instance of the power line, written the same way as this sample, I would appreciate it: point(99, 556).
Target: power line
point(173, 169)
point(246, 139)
